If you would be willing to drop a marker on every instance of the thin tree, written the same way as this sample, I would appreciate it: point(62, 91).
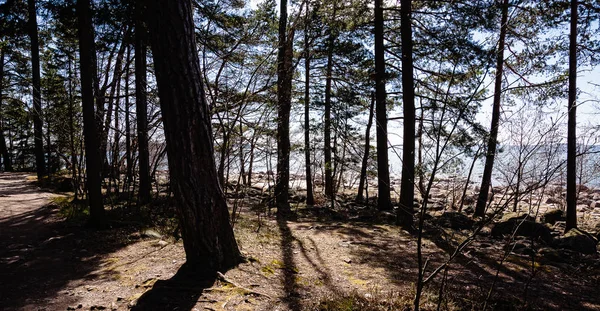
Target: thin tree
point(365, 160)
point(141, 103)
point(572, 124)
point(37, 96)
point(6, 160)
point(90, 132)
point(493, 138)
point(284, 98)
point(310, 199)
point(208, 239)
point(383, 171)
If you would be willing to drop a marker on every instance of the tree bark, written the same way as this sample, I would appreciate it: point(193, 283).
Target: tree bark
point(90, 132)
point(572, 125)
point(208, 238)
point(383, 170)
point(141, 104)
point(6, 160)
point(327, 131)
point(310, 199)
point(284, 98)
point(365, 160)
point(493, 139)
point(407, 183)
point(37, 96)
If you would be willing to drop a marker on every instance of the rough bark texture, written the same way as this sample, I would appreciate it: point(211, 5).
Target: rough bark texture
point(407, 183)
point(365, 160)
point(6, 160)
point(383, 170)
point(492, 141)
point(310, 198)
point(37, 96)
point(572, 125)
point(90, 132)
point(141, 104)
point(284, 98)
point(208, 238)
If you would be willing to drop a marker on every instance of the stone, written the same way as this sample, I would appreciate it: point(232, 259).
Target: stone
point(523, 227)
point(513, 215)
point(552, 216)
point(553, 200)
point(595, 204)
point(456, 221)
point(579, 241)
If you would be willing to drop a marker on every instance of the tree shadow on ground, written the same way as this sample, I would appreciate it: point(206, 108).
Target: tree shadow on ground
point(290, 285)
point(41, 253)
point(181, 292)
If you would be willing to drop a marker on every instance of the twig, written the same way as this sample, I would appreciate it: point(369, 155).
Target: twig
point(222, 277)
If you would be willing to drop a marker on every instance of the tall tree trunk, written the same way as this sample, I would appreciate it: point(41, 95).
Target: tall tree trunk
point(383, 170)
point(365, 160)
point(284, 98)
point(141, 104)
point(327, 131)
point(128, 159)
point(208, 238)
point(90, 132)
point(37, 96)
point(572, 124)
point(493, 139)
point(71, 113)
point(310, 198)
point(6, 160)
point(407, 183)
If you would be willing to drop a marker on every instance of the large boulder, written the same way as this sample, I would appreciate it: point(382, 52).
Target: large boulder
point(456, 221)
point(552, 216)
point(579, 241)
point(522, 227)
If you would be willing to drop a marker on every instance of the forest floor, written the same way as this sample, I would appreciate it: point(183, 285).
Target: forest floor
point(321, 260)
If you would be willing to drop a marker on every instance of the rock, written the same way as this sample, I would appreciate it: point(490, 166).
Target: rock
point(469, 210)
point(552, 216)
point(468, 200)
point(150, 233)
point(523, 227)
point(555, 255)
point(586, 202)
point(455, 220)
point(560, 226)
point(594, 204)
point(579, 241)
point(582, 207)
point(512, 215)
point(552, 200)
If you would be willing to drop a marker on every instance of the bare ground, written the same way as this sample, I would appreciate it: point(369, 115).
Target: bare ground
point(48, 263)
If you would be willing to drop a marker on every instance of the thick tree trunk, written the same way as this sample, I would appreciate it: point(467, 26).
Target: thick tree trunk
point(284, 98)
point(572, 124)
point(37, 96)
point(208, 238)
point(407, 183)
point(90, 132)
point(383, 170)
point(141, 104)
point(6, 160)
point(365, 160)
point(493, 139)
point(310, 198)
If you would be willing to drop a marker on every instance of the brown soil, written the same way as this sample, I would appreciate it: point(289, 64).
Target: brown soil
point(48, 263)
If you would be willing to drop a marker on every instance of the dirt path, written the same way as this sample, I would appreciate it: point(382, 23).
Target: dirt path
point(19, 196)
